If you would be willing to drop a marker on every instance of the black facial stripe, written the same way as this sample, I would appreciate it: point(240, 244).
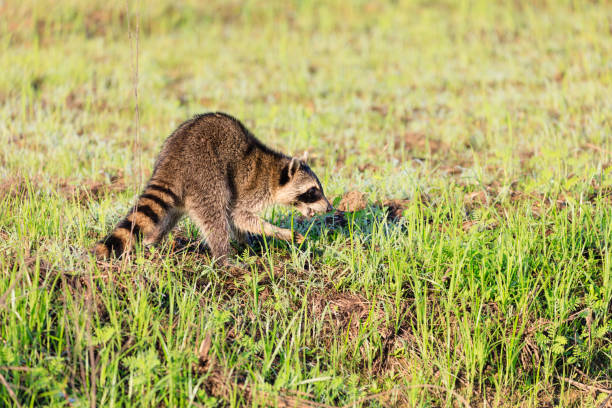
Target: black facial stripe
point(157, 200)
point(114, 244)
point(284, 176)
point(148, 211)
point(165, 191)
point(128, 225)
point(310, 196)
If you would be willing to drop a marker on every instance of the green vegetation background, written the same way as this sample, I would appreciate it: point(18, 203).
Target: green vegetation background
point(489, 122)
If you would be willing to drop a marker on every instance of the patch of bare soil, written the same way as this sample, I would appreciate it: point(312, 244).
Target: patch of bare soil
point(490, 195)
point(418, 141)
point(26, 140)
point(605, 193)
point(457, 167)
point(91, 190)
point(382, 110)
point(77, 100)
point(221, 382)
point(345, 314)
point(83, 191)
point(13, 187)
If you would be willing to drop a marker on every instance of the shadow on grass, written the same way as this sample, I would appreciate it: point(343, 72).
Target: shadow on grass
point(345, 224)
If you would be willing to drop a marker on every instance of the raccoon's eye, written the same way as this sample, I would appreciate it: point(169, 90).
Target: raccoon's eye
point(310, 196)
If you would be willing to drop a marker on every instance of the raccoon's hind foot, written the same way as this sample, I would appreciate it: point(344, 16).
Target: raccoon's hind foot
point(241, 237)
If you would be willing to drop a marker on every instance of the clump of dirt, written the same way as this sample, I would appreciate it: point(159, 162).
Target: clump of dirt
point(353, 201)
point(394, 208)
point(357, 201)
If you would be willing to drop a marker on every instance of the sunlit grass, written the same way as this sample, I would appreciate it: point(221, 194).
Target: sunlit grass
point(490, 121)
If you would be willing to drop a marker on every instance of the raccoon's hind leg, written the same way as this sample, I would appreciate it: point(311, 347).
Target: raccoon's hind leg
point(249, 222)
point(240, 236)
point(167, 224)
point(210, 216)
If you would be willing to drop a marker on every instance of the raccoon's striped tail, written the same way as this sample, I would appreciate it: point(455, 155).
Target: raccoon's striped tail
point(144, 221)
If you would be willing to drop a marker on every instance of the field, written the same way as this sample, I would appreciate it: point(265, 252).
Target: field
point(469, 144)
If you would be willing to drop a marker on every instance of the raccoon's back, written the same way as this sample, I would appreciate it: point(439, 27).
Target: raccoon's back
point(214, 138)
point(210, 141)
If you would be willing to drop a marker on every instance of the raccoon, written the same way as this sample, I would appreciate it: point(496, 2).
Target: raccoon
point(213, 169)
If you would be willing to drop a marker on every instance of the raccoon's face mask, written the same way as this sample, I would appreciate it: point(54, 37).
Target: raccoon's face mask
point(300, 188)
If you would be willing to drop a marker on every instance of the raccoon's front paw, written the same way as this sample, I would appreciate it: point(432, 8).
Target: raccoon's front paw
point(298, 238)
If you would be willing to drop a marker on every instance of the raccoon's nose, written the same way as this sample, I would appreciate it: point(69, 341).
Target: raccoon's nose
point(329, 208)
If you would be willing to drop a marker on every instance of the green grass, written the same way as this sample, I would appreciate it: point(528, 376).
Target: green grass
point(491, 122)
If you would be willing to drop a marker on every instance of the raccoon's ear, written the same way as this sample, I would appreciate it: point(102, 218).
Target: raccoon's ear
point(304, 157)
point(289, 170)
point(294, 166)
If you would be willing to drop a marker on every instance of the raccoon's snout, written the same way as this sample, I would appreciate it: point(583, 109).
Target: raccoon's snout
point(327, 209)
point(320, 207)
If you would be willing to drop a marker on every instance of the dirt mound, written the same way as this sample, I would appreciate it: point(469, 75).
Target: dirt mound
point(357, 201)
point(353, 201)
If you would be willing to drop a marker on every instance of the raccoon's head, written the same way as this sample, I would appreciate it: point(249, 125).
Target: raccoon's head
point(299, 187)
